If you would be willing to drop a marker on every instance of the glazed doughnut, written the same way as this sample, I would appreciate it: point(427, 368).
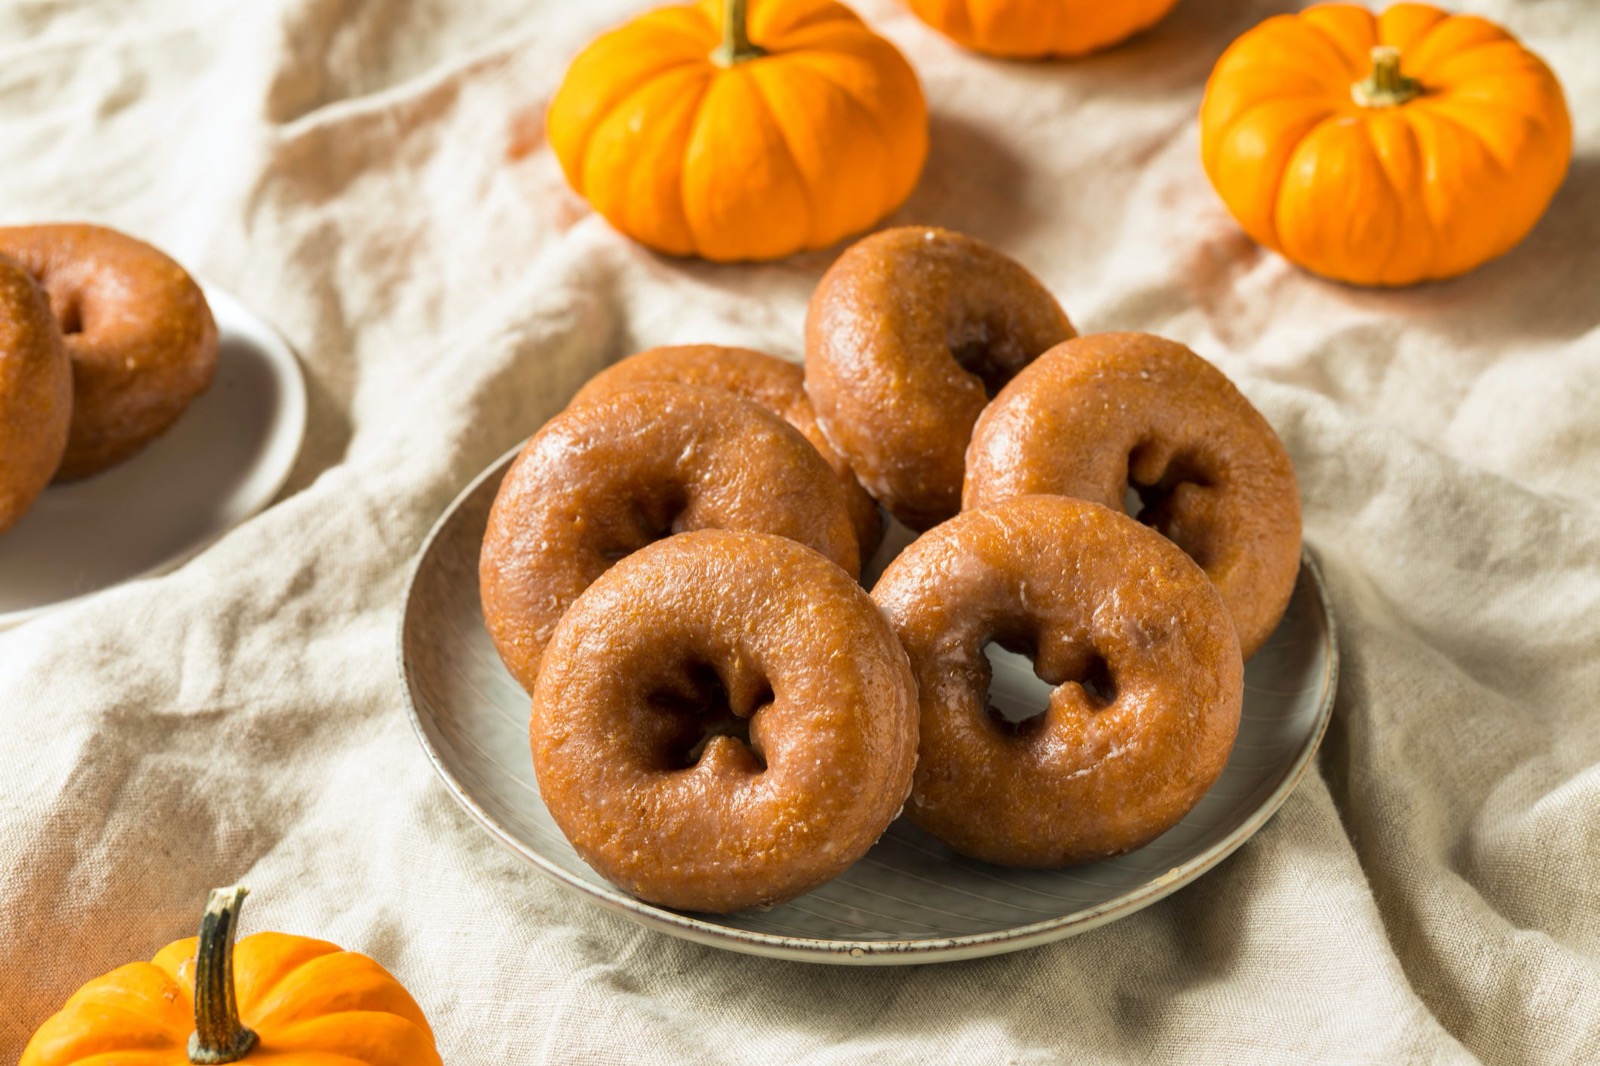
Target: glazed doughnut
point(776, 384)
point(604, 478)
point(35, 392)
point(140, 334)
point(1146, 668)
point(1103, 412)
point(907, 337)
point(724, 720)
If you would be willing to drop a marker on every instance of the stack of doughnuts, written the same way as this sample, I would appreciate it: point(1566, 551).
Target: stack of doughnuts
point(627, 467)
point(104, 342)
point(1103, 414)
point(723, 718)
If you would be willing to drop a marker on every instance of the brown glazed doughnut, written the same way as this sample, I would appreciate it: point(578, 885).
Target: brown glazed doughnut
point(140, 334)
point(604, 478)
point(723, 720)
point(908, 335)
point(35, 392)
point(1093, 597)
point(1103, 412)
point(776, 384)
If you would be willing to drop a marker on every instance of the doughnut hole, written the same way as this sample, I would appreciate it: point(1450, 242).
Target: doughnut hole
point(700, 714)
point(1166, 490)
point(1021, 682)
point(983, 347)
point(65, 290)
point(69, 317)
point(656, 512)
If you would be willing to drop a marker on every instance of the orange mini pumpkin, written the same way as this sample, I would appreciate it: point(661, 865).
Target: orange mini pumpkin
point(1028, 29)
point(289, 1000)
point(1384, 149)
point(697, 138)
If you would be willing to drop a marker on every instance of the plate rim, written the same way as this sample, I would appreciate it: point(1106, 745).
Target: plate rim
point(289, 370)
point(863, 952)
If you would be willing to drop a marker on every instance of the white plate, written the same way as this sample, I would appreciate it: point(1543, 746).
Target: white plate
point(223, 461)
point(910, 900)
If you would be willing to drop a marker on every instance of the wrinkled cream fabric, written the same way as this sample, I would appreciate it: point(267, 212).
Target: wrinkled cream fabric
point(371, 176)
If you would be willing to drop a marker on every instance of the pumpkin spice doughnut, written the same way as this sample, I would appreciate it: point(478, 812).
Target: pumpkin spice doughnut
point(35, 392)
point(140, 334)
point(773, 383)
point(723, 720)
point(1101, 413)
point(1146, 667)
point(606, 477)
point(908, 335)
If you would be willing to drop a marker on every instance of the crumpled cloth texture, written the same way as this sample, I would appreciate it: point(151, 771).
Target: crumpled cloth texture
point(371, 175)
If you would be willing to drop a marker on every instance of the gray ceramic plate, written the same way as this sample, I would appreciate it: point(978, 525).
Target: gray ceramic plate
point(910, 900)
point(223, 461)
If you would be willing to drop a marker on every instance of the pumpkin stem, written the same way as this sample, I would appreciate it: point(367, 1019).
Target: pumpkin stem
point(1385, 86)
point(219, 1036)
point(736, 47)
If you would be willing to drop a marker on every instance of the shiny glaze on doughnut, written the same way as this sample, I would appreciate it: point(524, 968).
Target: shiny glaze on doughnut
point(1096, 414)
point(140, 334)
point(776, 384)
point(723, 720)
point(35, 392)
point(908, 335)
point(1092, 596)
point(606, 477)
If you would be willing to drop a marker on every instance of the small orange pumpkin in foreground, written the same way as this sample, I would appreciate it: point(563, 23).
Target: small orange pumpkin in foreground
point(1384, 149)
point(1031, 29)
point(285, 999)
point(696, 137)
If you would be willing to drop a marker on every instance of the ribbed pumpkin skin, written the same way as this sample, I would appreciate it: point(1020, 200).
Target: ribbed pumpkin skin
point(1418, 191)
point(307, 1000)
point(1030, 29)
point(814, 141)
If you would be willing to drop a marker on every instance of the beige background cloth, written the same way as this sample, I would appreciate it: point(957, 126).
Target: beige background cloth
point(371, 176)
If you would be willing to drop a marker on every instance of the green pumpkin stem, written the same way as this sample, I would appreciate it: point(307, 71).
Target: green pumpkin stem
point(1385, 86)
point(219, 1036)
point(736, 47)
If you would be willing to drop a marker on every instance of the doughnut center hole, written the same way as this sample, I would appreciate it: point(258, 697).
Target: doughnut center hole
point(71, 318)
point(1022, 682)
point(704, 712)
point(1153, 491)
point(985, 351)
point(1097, 682)
point(651, 517)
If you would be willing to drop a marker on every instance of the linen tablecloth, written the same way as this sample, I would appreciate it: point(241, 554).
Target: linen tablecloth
point(372, 177)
